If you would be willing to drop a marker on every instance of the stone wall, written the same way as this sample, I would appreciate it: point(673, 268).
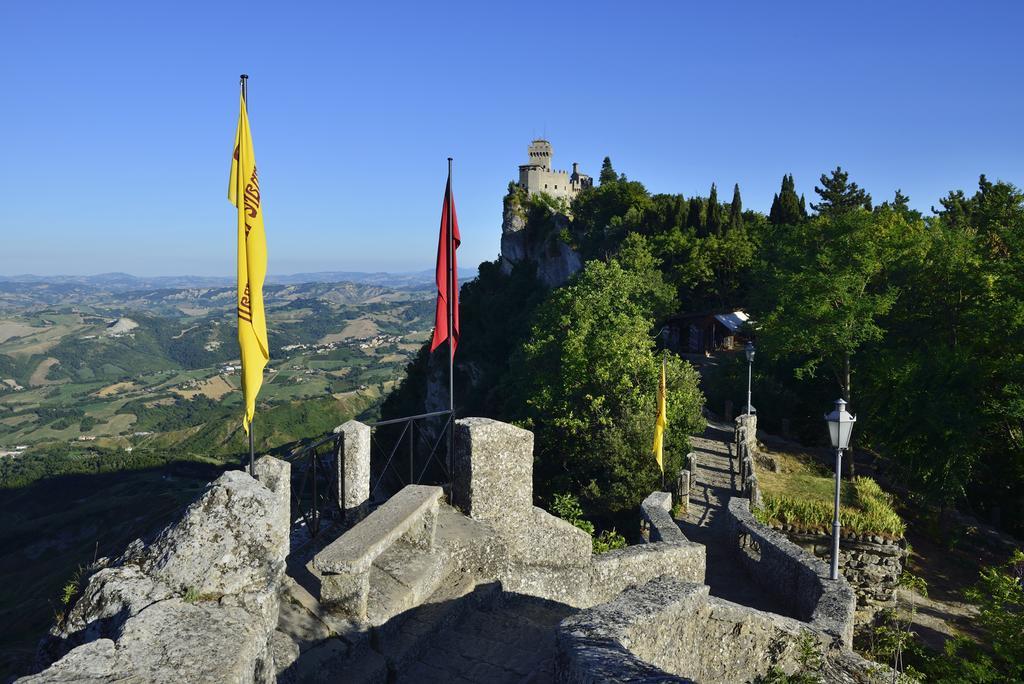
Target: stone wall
point(198, 604)
point(656, 511)
point(535, 553)
point(872, 565)
point(672, 631)
point(798, 579)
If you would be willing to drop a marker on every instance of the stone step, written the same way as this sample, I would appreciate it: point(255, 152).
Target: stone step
point(402, 578)
point(403, 642)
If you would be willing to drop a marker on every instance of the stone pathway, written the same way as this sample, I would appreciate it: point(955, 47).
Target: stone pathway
point(716, 483)
point(513, 642)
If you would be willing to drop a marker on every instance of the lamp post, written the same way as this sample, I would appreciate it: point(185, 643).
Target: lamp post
point(750, 370)
point(840, 427)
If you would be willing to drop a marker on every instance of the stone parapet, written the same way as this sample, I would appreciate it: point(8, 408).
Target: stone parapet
point(873, 569)
point(796, 578)
point(668, 630)
point(871, 565)
point(409, 516)
point(656, 509)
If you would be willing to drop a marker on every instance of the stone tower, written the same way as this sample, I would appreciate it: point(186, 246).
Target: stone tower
point(537, 175)
point(540, 154)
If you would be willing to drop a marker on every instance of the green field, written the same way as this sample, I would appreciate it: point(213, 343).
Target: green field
point(116, 410)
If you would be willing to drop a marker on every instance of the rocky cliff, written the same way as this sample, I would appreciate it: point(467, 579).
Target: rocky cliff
point(199, 603)
point(524, 241)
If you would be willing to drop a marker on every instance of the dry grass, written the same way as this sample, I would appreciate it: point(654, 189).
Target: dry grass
point(360, 328)
point(12, 329)
point(117, 388)
point(214, 388)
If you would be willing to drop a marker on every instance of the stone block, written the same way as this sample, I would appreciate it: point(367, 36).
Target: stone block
point(547, 540)
point(493, 471)
point(656, 510)
point(346, 592)
point(353, 464)
point(410, 515)
point(684, 487)
point(276, 475)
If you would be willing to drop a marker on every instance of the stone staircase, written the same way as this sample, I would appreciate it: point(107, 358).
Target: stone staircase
point(428, 619)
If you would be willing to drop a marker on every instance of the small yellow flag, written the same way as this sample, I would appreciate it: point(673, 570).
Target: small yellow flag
point(244, 193)
point(662, 422)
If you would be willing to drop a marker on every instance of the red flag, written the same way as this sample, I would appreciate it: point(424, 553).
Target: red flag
point(447, 291)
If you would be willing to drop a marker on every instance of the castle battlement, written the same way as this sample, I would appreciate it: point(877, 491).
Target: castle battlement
point(537, 175)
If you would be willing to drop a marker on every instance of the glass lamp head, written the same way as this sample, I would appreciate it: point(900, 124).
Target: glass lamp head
point(840, 425)
point(749, 349)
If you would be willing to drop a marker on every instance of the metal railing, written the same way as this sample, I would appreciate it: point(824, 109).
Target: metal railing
point(314, 482)
point(408, 435)
point(315, 467)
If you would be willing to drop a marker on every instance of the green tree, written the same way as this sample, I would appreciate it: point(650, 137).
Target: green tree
point(825, 291)
point(713, 224)
point(963, 298)
point(736, 209)
point(586, 383)
point(608, 174)
point(695, 215)
point(839, 195)
point(786, 207)
point(999, 595)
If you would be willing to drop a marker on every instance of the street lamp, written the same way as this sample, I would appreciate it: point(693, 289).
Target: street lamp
point(840, 427)
point(750, 369)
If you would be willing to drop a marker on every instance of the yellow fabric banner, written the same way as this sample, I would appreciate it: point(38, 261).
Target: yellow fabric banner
point(662, 422)
point(244, 193)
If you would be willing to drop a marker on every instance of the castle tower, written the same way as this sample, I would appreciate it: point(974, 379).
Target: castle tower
point(540, 154)
point(537, 175)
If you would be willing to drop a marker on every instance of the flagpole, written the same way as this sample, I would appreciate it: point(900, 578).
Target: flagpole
point(451, 326)
point(244, 78)
point(664, 355)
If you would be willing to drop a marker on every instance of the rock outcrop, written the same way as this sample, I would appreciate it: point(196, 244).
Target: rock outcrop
point(555, 261)
point(197, 604)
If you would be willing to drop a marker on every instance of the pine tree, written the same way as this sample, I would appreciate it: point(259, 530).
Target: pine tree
point(902, 202)
point(681, 211)
point(786, 207)
point(713, 225)
point(608, 174)
point(803, 206)
point(693, 215)
point(736, 210)
point(839, 195)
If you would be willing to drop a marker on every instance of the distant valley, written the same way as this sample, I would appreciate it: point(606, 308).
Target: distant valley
point(124, 363)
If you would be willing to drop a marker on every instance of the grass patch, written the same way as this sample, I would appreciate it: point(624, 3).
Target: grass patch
point(801, 495)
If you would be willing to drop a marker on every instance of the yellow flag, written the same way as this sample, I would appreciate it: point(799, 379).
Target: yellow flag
point(244, 193)
point(662, 422)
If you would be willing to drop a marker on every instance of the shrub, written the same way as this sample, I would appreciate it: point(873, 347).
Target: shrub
point(567, 507)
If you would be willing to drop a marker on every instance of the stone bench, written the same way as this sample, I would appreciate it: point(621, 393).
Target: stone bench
point(410, 516)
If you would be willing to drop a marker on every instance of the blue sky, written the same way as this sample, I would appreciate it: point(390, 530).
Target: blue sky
point(117, 118)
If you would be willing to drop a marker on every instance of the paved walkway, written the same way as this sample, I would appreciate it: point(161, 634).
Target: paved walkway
point(716, 483)
point(513, 642)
